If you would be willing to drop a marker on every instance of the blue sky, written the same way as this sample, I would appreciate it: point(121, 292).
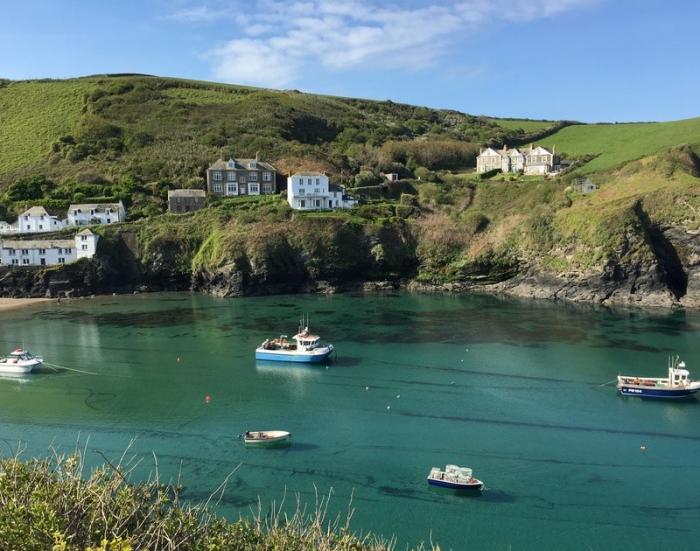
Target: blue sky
point(590, 60)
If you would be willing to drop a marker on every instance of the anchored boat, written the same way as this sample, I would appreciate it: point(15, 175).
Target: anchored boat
point(677, 385)
point(304, 347)
point(454, 477)
point(19, 362)
point(267, 438)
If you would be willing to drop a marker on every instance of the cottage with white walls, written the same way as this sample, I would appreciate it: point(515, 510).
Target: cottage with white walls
point(48, 252)
point(33, 220)
point(312, 191)
point(96, 213)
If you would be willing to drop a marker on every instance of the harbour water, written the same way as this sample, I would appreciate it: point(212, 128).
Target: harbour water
point(509, 388)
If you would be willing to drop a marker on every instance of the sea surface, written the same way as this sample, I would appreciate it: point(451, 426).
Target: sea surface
point(514, 389)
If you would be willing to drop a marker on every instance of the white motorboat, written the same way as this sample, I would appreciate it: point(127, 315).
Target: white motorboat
point(19, 362)
point(455, 478)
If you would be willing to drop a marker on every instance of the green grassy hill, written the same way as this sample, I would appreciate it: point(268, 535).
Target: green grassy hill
point(614, 144)
point(160, 128)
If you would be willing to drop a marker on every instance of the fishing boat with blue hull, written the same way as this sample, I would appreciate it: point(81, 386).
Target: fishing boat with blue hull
point(454, 478)
point(677, 385)
point(304, 347)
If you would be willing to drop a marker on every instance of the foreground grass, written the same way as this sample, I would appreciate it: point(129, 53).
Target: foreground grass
point(54, 504)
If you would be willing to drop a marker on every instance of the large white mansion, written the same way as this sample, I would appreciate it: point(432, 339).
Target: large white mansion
point(535, 160)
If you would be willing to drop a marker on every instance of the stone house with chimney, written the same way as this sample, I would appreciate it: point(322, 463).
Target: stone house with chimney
point(241, 177)
point(537, 160)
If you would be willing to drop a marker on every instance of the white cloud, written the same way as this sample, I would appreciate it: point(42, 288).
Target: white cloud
point(276, 42)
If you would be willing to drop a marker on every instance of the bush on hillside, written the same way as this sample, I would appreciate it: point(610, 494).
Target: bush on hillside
point(57, 504)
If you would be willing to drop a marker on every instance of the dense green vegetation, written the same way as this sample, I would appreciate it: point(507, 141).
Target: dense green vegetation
point(57, 504)
point(151, 129)
point(132, 138)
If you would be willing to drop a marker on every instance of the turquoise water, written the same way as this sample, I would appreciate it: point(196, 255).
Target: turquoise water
point(510, 388)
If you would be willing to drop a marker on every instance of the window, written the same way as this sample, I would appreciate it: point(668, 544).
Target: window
point(41, 226)
point(232, 189)
point(26, 217)
point(253, 188)
point(25, 261)
point(83, 237)
point(318, 181)
point(41, 217)
point(267, 187)
point(29, 227)
point(302, 192)
point(61, 260)
point(302, 203)
point(253, 177)
point(230, 176)
point(267, 177)
point(108, 211)
point(316, 190)
point(85, 247)
point(11, 252)
point(42, 261)
point(15, 261)
point(68, 251)
point(217, 176)
point(253, 164)
point(231, 163)
point(42, 251)
point(92, 212)
point(318, 202)
point(60, 251)
point(25, 251)
point(217, 187)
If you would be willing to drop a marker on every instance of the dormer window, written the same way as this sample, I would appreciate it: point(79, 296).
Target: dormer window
point(253, 164)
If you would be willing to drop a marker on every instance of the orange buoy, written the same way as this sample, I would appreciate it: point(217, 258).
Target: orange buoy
point(207, 399)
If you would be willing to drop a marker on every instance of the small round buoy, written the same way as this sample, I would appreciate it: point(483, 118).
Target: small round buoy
point(388, 408)
point(366, 388)
point(178, 358)
point(461, 361)
point(398, 395)
point(452, 383)
point(207, 399)
point(643, 448)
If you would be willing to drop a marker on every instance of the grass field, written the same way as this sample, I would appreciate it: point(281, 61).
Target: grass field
point(527, 125)
point(614, 144)
point(34, 115)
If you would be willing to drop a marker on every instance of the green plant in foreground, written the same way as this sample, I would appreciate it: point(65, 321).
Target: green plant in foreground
point(55, 504)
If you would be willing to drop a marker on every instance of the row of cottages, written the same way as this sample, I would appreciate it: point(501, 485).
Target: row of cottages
point(48, 252)
point(312, 190)
point(533, 161)
point(241, 177)
point(37, 220)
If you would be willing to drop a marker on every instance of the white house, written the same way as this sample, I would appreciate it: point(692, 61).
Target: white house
point(33, 220)
point(96, 213)
point(539, 161)
point(48, 252)
point(311, 190)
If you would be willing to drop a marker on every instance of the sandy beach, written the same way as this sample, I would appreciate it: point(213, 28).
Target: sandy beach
point(11, 303)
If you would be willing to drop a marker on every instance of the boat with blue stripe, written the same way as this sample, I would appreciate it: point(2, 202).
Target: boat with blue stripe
point(676, 386)
point(454, 478)
point(304, 347)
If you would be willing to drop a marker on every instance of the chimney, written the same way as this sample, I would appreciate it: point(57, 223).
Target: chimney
point(257, 155)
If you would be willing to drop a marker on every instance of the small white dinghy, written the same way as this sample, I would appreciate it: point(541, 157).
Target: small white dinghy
point(267, 438)
point(19, 362)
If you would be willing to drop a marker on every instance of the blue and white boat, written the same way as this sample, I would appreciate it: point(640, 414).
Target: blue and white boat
point(303, 347)
point(455, 478)
point(677, 385)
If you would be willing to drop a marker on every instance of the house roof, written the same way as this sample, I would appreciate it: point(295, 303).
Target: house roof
point(97, 206)
point(39, 244)
point(35, 211)
point(186, 193)
point(308, 174)
point(539, 150)
point(239, 164)
point(85, 232)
